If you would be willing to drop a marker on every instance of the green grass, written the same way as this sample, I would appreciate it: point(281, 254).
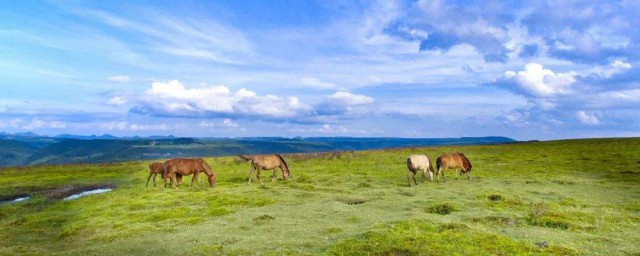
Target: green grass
point(578, 196)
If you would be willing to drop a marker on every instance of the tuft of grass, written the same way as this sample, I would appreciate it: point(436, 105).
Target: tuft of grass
point(352, 200)
point(334, 230)
point(494, 197)
point(442, 209)
point(263, 219)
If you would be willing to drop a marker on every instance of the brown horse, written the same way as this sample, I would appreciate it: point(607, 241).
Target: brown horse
point(187, 166)
point(417, 163)
point(453, 160)
point(155, 169)
point(267, 162)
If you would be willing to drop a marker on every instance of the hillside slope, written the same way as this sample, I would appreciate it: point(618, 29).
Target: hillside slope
point(570, 197)
point(74, 151)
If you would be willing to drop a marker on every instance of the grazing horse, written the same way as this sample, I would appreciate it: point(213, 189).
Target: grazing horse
point(267, 162)
point(453, 160)
point(187, 166)
point(417, 163)
point(155, 169)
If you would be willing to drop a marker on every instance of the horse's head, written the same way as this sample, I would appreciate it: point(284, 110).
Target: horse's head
point(212, 180)
point(283, 166)
point(285, 173)
point(466, 163)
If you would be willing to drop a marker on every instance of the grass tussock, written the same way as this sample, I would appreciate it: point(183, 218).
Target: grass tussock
point(352, 200)
point(263, 219)
point(442, 209)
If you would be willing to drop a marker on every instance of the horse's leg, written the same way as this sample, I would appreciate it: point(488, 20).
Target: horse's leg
point(258, 169)
point(430, 175)
point(164, 177)
point(444, 169)
point(414, 178)
point(195, 178)
point(174, 181)
point(423, 175)
point(154, 181)
point(274, 176)
point(408, 178)
point(179, 178)
point(253, 168)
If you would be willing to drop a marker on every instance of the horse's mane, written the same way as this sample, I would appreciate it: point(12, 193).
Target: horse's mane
point(207, 167)
point(466, 161)
point(283, 161)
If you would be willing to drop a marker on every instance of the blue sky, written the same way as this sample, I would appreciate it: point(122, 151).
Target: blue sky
point(527, 70)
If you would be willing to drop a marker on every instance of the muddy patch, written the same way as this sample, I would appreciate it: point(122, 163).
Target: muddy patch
point(70, 192)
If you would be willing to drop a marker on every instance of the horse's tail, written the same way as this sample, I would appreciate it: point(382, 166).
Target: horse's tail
point(283, 161)
point(245, 158)
point(438, 163)
point(408, 162)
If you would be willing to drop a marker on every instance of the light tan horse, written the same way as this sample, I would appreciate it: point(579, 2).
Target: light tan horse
point(187, 166)
point(155, 169)
point(267, 162)
point(417, 163)
point(456, 161)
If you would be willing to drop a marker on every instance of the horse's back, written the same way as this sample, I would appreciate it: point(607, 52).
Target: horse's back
point(186, 166)
point(455, 160)
point(266, 161)
point(156, 167)
point(415, 162)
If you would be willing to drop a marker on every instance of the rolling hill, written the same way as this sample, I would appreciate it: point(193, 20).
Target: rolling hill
point(69, 149)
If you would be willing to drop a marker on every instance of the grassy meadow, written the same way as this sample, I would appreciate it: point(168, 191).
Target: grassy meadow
point(571, 197)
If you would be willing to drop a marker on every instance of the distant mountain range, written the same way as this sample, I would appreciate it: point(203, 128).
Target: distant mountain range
point(33, 149)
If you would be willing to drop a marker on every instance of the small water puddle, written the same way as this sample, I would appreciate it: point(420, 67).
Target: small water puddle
point(15, 200)
point(86, 193)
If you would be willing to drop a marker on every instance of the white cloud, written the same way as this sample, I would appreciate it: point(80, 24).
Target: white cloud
point(126, 126)
point(317, 83)
point(342, 102)
point(540, 82)
point(226, 123)
point(615, 67)
point(586, 118)
point(116, 125)
point(349, 99)
point(119, 79)
point(148, 127)
point(173, 98)
point(117, 101)
point(39, 123)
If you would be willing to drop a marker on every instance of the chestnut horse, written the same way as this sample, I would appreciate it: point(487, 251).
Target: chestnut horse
point(267, 162)
point(187, 166)
point(155, 169)
point(417, 163)
point(455, 161)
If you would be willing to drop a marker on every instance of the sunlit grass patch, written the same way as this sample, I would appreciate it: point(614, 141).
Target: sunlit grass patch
point(415, 237)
